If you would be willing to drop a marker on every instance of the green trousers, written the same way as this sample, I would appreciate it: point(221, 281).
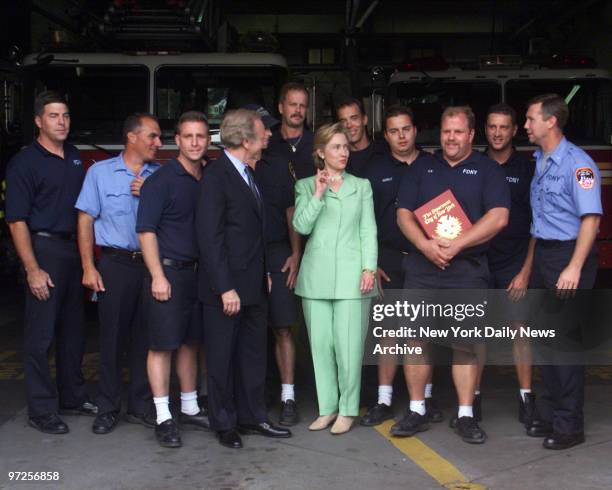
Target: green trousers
point(337, 330)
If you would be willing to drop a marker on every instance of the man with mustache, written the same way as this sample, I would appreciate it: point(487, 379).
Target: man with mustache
point(480, 187)
point(107, 206)
point(43, 182)
point(289, 157)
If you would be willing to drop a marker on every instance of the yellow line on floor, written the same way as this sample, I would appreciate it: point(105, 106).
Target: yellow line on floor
point(440, 469)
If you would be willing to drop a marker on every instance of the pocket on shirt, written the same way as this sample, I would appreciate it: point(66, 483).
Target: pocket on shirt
point(553, 197)
point(119, 204)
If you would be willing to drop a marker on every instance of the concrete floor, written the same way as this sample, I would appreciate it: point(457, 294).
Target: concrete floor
point(362, 459)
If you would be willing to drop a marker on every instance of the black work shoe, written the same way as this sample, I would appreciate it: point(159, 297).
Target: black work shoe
point(432, 412)
point(376, 415)
point(469, 430)
point(105, 423)
point(563, 441)
point(476, 411)
point(229, 438)
point(197, 421)
point(528, 413)
point(85, 408)
point(167, 434)
point(49, 424)
point(410, 424)
point(288, 413)
point(146, 419)
point(540, 429)
point(264, 429)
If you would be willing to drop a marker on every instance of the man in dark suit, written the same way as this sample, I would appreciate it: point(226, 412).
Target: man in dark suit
point(232, 283)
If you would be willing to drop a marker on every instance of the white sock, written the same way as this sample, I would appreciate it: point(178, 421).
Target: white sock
point(523, 392)
point(189, 403)
point(428, 390)
point(465, 411)
point(287, 392)
point(417, 406)
point(162, 408)
point(385, 394)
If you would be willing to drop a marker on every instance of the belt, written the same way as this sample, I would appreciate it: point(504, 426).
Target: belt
point(554, 243)
point(180, 264)
point(69, 237)
point(123, 253)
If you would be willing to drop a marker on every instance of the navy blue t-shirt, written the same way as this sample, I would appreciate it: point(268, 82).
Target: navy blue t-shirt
point(42, 188)
point(385, 175)
point(276, 185)
point(167, 207)
point(478, 183)
point(299, 162)
point(510, 245)
point(359, 161)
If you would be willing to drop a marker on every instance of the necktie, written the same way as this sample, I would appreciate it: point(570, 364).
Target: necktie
point(249, 175)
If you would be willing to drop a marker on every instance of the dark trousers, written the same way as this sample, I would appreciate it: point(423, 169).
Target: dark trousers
point(122, 330)
point(60, 318)
point(236, 363)
point(563, 401)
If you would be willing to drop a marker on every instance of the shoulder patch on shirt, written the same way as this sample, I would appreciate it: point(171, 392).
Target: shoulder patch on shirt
point(585, 177)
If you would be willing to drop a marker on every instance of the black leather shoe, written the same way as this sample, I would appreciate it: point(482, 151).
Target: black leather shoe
point(410, 424)
point(145, 419)
point(563, 441)
point(432, 412)
point(105, 423)
point(476, 411)
point(49, 424)
point(288, 413)
point(229, 438)
point(167, 434)
point(469, 430)
point(541, 429)
point(197, 421)
point(264, 429)
point(376, 415)
point(85, 408)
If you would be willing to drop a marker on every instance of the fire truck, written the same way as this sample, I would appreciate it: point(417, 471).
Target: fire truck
point(103, 88)
point(588, 92)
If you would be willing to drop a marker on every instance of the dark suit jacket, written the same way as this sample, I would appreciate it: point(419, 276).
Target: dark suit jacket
point(229, 229)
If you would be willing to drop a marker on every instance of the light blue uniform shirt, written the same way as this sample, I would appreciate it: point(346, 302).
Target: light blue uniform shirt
point(564, 188)
point(106, 196)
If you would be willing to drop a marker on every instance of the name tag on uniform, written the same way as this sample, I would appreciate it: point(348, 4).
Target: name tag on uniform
point(469, 171)
point(387, 179)
point(76, 162)
point(512, 180)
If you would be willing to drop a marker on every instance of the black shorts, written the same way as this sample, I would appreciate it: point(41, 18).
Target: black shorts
point(282, 306)
point(500, 279)
point(176, 321)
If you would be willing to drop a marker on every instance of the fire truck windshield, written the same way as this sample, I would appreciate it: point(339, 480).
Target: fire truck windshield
point(100, 97)
point(589, 99)
point(212, 90)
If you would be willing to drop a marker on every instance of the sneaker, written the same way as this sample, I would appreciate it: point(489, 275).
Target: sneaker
point(288, 413)
point(376, 415)
point(469, 430)
point(432, 412)
point(410, 424)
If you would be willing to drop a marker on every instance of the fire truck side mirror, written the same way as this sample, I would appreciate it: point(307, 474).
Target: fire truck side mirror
point(375, 113)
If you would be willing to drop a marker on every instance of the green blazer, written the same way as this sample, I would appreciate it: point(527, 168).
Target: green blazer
point(342, 241)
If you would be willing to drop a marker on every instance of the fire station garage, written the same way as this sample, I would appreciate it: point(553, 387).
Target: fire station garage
point(399, 210)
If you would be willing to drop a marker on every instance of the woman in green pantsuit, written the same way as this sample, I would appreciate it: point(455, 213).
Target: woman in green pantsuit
point(337, 275)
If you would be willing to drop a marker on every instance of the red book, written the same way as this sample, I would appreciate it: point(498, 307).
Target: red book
point(443, 217)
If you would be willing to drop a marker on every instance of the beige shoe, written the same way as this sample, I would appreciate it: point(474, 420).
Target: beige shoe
point(323, 422)
point(343, 424)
